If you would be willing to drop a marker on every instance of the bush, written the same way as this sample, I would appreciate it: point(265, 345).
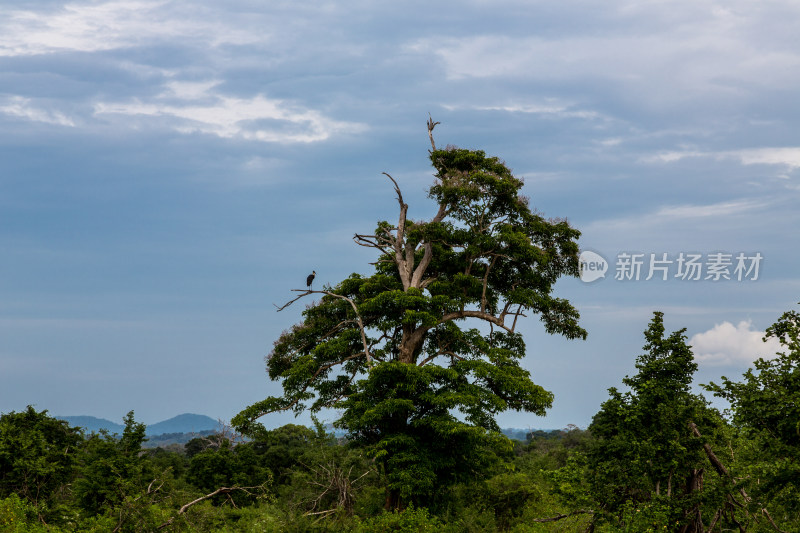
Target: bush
point(20, 516)
point(407, 521)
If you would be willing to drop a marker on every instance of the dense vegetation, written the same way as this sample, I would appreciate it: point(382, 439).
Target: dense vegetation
point(655, 458)
point(420, 357)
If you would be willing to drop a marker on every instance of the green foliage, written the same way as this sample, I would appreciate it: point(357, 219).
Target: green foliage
point(407, 521)
point(18, 515)
point(402, 414)
point(507, 494)
point(281, 449)
point(644, 448)
point(657, 515)
point(546, 479)
point(228, 466)
point(37, 455)
point(111, 468)
point(766, 412)
point(330, 479)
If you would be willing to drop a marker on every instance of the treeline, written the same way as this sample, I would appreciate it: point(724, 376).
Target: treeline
point(55, 478)
point(656, 457)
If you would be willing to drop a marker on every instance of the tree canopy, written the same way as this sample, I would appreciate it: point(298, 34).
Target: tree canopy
point(430, 337)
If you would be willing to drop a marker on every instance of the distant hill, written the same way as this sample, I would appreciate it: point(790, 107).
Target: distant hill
point(185, 423)
point(172, 440)
point(516, 433)
point(182, 428)
point(93, 424)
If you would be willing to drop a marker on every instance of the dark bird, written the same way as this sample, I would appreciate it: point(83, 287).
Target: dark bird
point(310, 279)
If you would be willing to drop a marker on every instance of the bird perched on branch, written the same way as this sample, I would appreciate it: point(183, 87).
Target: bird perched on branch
point(310, 279)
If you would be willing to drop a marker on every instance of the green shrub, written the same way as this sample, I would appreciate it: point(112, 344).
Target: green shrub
point(407, 521)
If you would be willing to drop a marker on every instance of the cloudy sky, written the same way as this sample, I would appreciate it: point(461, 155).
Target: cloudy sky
point(169, 170)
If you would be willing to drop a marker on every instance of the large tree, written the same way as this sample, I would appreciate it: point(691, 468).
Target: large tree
point(424, 352)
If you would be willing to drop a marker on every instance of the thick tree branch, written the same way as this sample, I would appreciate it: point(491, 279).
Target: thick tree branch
point(416, 279)
point(399, 243)
point(486, 282)
point(518, 314)
point(437, 354)
point(372, 241)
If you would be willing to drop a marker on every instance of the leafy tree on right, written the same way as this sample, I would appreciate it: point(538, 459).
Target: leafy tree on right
point(765, 409)
point(646, 467)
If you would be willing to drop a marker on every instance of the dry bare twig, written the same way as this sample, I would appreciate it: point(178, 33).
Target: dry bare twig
point(221, 490)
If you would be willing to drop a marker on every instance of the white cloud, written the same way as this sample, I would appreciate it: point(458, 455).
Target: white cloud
point(661, 54)
point(681, 217)
point(770, 156)
point(17, 106)
point(675, 155)
point(726, 344)
point(258, 118)
point(188, 90)
point(709, 210)
point(98, 26)
point(547, 109)
point(786, 156)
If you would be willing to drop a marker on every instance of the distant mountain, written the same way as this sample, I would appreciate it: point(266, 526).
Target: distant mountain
point(185, 423)
point(93, 424)
point(181, 428)
point(516, 433)
point(173, 440)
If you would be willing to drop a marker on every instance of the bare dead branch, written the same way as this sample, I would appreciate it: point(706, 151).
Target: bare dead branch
point(336, 482)
point(715, 462)
point(722, 471)
point(431, 125)
point(221, 490)
point(771, 521)
point(399, 239)
point(396, 188)
point(465, 313)
point(305, 292)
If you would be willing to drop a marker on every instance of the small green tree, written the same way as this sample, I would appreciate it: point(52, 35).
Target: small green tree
point(281, 449)
point(37, 456)
point(644, 452)
point(229, 465)
point(424, 353)
point(111, 469)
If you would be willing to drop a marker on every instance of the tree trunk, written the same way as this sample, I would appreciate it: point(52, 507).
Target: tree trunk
point(393, 501)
